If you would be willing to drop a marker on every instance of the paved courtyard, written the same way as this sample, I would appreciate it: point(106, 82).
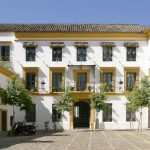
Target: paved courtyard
point(78, 140)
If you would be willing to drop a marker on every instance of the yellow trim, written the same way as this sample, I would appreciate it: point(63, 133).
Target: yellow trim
point(1, 118)
point(108, 69)
point(57, 70)
point(6, 72)
point(76, 71)
point(132, 70)
point(77, 94)
point(77, 35)
point(31, 70)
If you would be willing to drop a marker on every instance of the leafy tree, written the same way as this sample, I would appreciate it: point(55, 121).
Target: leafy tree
point(98, 99)
point(16, 95)
point(64, 102)
point(140, 97)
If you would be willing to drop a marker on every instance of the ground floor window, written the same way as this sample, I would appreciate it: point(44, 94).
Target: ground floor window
point(107, 113)
point(31, 115)
point(130, 115)
point(56, 115)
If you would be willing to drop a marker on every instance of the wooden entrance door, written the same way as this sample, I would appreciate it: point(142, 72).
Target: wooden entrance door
point(3, 120)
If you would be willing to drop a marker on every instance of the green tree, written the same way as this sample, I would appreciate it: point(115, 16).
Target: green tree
point(98, 99)
point(16, 95)
point(64, 102)
point(139, 98)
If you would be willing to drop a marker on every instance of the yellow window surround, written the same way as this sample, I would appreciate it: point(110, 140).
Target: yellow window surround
point(31, 70)
point(108, 70)
point(131, 70)
point(76, 71)
point(57, 70)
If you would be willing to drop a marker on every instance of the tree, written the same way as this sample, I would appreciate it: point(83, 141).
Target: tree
point(98, 100)
point(64, 102)
point(140, 97)
point(16, 95)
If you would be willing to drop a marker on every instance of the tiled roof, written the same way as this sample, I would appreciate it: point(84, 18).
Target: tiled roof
point(122, 28)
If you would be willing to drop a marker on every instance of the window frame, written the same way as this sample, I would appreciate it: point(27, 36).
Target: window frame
point(31, 112)
point(4, 58)
point(112, 70)
point(57, 70)
point(131, 70)
point(58, 115)
point(31, 70)
point(28, 49)
point(131, 112)
point(56, 50)
point(105, 48)
point(131, 50)
point(107, 113)
point(83, 56)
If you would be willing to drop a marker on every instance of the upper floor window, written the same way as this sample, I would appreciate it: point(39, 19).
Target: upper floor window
point(107, 53)
point(81, 81)
point(57, 54)
point(81, 53)
point(31, 77)
point(57, 79)
point(107, 113)
point(107, 76)
point(4, 53)
point(131, 53)
point(56, 82)
point(131, 77)
point(30, 53)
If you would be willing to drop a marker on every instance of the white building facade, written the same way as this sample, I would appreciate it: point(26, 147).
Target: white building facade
point(49, 57)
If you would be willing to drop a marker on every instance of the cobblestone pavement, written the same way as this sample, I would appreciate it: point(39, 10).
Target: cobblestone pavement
point(79, 140)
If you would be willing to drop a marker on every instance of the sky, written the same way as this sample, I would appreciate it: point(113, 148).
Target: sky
point(75, 11)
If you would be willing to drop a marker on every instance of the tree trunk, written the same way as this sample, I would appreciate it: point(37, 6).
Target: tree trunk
point(130, 122)
point(139, 124)
point(13, 123)
point(141, 120)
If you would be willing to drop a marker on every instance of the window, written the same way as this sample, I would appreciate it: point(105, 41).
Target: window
point(57, 54)
point(30, 53)
point(56, 82)
point(131, 53)
point(131, 79)
point(31, 115)
point(81, 81)
point(130, 115)
point(31, 78)
point(107, 53)
point(5, 53)
point(30, 81)
point(107, 113)
point(81, 53)
point(107, 77)
point(56, 115)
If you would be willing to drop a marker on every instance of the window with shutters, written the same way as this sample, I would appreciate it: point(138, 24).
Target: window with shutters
point(31, 78)
point(131, 78)
point(107, 76)
point(107, 113)
point(131, 53)
point(107, 53)
point(130, 115)
point(4, 53)
point(81, 53)
point(57, 54)
point(31, 115)
point(57, 83)
point(30, 53)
